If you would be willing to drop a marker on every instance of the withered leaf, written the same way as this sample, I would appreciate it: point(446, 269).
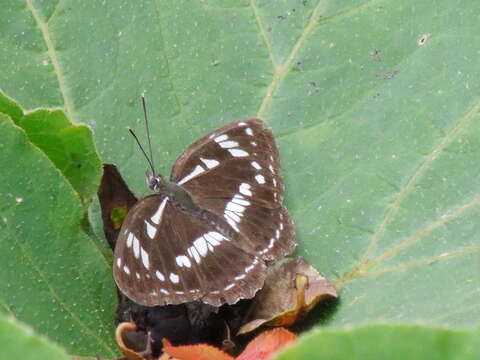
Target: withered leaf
point(292, 288)
point(115, 201)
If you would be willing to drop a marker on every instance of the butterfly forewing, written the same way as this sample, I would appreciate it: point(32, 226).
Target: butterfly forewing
point(235, 173)
point(166, 256)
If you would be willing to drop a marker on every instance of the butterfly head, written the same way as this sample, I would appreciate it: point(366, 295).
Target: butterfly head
point(155, 182)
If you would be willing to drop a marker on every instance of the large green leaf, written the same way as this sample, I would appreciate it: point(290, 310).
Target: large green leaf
point(52, 275)
point(375, 105)
point(380, 342)
point(20, 342)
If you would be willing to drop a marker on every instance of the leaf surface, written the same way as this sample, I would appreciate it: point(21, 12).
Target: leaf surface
point(378, 342)
point(374, 104)
point(53, 275)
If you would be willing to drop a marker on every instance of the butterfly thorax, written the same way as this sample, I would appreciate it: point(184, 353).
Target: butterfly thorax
point(179, 197)
point(182, 200)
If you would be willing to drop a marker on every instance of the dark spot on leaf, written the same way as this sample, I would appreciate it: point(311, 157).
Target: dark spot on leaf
point(391, 75)
point(375, 54)
point(423, 39)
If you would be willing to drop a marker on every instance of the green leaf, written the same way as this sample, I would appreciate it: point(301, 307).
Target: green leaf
point(53, 277)
point(20, 342)
point(375, 106)
point(379, 342)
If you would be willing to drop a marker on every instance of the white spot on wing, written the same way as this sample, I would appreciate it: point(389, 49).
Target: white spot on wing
point(270, 244)
point(201, 245)
point(160, 275)
point(151, 230)
point(260, 179)
point(230, 221)
point(145, 259)
point(240, 277)
point(245, 189)
point(256, 165)
point(242, 123)
point(119, 262)
point(158, 214)
point(194, 253)
point(174, 278)
point(136, 247)
point(210, 163)
point(232, 215)
point(217, 236)
point(197, 171)
point(235, 207)
point(249, 268)
point(221, 138)
point(163, 291)
point(182, 260)
point(238, 152)
point(228, 144)
point(129, 240)
point(238, 200)
point(213, 238)
point(249, 131)
point(229, 286)
point(126, 270)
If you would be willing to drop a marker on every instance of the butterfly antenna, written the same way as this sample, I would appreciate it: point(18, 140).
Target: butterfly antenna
point(148, 132)
point(143, 151)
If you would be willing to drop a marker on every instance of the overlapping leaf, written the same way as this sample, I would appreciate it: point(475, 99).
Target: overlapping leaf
point(52, 276)
point(20, 342)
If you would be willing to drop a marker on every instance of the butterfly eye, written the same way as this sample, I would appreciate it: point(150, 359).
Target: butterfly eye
point(154, 182)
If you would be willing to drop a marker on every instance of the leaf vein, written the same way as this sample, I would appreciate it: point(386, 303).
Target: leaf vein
point(281, 70)
point(393, 209)
point(263, 33)
point(57, 297)
point(57, 67)
point(168, 63)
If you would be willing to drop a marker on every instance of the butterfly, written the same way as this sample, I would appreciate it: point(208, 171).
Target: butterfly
point(207, 233)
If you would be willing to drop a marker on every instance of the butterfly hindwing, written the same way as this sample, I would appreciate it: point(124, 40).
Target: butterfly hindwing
point(166, 256)
point(235, 173)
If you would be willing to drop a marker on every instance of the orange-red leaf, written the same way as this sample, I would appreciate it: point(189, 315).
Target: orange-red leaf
point(268, 343)
point(194, 352)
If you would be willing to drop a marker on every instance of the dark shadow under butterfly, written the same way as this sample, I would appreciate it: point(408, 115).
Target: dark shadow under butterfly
point(206, 234)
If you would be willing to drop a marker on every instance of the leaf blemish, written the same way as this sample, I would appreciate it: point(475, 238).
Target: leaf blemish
point(423, 39)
